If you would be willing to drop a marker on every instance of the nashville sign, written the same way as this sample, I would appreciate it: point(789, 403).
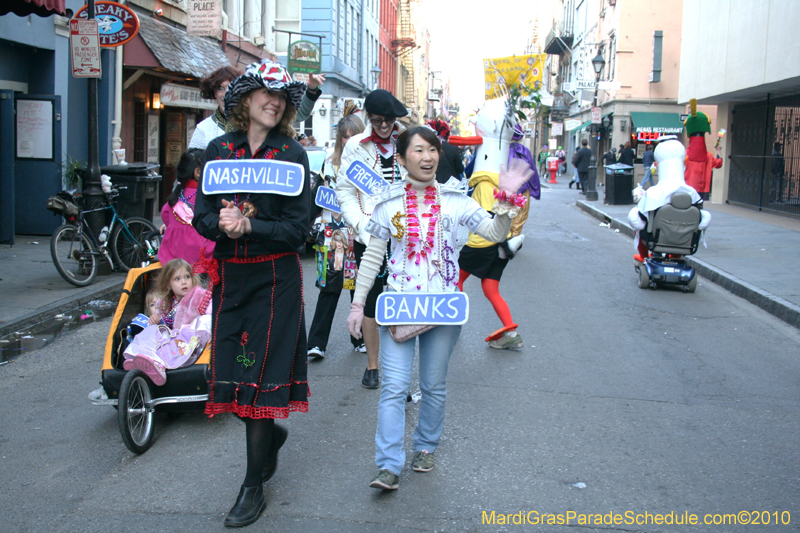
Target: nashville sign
point(118, 24)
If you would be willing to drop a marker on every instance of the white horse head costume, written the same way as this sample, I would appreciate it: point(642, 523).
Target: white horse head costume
point(490, 123)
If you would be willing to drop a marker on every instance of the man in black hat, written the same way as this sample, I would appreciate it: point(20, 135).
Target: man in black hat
point(375, 147)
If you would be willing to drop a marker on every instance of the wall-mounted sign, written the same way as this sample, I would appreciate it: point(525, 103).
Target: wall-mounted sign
point(304, 59)
point(34, 129)
point(557, 128)
point(85, 43)
point(118, 24)
point(204, 17)
point(183, 96)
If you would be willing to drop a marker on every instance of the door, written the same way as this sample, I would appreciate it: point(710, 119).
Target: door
point(37, 162)
point(7, 167)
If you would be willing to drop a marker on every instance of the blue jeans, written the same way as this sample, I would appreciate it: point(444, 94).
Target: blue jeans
point(435, 348)
point(648, 176)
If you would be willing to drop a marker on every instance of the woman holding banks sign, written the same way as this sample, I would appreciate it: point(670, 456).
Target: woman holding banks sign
point(419, 220)
point(376, 149)
point(258, 355)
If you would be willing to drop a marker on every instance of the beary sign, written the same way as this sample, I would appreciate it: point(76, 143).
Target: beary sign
point(405, 308)
point(253, 176)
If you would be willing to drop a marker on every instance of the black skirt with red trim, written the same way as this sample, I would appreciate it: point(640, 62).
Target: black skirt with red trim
point(483, 263)
point(258, 351)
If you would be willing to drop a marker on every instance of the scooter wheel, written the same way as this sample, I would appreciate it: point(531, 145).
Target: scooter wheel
point(692, 286)
point(644, 278)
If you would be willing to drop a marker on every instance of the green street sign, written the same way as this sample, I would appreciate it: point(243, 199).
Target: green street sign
point(305, 58)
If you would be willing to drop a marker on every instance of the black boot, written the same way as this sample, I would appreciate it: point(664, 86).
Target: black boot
point(279, 435)
point(248, 507)
point(570, 184)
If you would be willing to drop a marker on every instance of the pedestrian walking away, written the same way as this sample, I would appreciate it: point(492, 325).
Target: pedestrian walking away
point(417, 219)
point(626, 155)
point(376, 149)
point(258, 367)
point(647, 161)
point(583, 158)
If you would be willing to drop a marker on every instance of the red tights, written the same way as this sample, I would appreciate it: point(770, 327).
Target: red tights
point(491, 289)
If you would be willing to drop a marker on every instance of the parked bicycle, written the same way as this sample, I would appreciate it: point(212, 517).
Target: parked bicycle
point(124, 243)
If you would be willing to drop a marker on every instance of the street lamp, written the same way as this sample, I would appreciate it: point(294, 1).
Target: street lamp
point(376, 73)
point(591, 194)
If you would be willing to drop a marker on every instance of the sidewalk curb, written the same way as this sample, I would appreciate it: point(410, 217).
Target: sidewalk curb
point(67, 304)
point(774, 305)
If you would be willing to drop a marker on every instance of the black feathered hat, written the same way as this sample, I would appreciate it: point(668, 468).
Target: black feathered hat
point(381, 102)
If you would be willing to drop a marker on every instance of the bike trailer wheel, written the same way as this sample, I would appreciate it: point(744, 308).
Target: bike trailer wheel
point(134, 413)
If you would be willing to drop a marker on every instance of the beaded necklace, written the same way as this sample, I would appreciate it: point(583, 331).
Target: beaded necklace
point(186, 199)
point(416, 248)
point(169, 318)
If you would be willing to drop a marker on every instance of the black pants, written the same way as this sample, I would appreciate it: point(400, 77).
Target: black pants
point(584, 178)
point(323, 319)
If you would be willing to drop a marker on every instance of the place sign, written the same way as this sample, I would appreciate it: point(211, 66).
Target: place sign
point(366, 179)
point(258, 176)
point(118, 24)
point(436, 308)
point(326, 199)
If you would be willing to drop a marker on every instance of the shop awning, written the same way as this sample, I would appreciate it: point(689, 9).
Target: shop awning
point(179, 52)
point(42, 8)
point(663, 123)
point(588, 124)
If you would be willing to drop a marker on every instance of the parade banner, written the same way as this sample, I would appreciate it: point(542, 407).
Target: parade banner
point(326, 199)
point(504, 72)
point(253, 176)
point(405, 308)
point(365, 178)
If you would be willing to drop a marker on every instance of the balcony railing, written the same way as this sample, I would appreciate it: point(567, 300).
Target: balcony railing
point(559, 39)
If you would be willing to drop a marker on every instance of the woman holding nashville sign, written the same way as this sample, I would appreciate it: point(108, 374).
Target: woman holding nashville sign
point(258, 355)
point(419, 219)
point(376, 149)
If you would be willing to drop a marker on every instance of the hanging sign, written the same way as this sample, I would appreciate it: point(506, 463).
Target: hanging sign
point(404, 308)
point(204, 17)
point(304, 59)
point(326, 199)
point(253, 176)
point(85, 43)
point(183, 96)
point(118, 24)
point(365, 178)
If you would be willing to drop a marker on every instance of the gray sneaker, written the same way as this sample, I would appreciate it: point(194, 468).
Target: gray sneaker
point(385, 480)
point(511, 340)
point(422, 462)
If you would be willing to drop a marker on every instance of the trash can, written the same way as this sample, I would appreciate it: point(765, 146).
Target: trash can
point(141, 180)
point(619, 184)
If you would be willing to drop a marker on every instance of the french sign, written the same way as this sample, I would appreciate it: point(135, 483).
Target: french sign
point(365, 178)
point(118, 24)
point(403, 308)
point(253, 176)
point(326, 199)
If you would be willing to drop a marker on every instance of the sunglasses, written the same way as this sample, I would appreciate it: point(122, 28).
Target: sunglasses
point(378, 121)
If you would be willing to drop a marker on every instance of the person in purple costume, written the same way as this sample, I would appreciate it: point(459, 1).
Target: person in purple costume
point(531, 189)
point(181, 240)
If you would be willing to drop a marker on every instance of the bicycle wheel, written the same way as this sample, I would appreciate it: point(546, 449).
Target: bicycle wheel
point(129, 247)
point(73, 255)
point(153, 241)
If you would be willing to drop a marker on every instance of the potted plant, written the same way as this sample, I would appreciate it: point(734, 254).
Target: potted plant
point(72, 170)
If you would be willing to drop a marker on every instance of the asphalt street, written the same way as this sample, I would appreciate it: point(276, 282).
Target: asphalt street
point(652, 401)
